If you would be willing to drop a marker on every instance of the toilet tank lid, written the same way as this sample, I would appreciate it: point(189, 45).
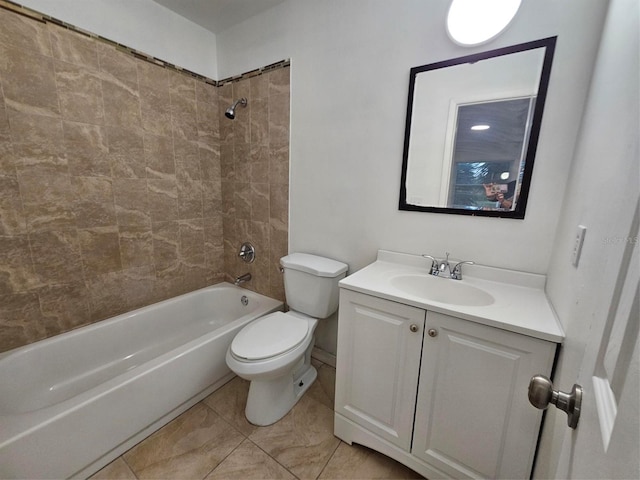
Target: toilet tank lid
point(314, 264)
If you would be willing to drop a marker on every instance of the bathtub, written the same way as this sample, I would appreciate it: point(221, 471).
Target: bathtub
point(72, 403)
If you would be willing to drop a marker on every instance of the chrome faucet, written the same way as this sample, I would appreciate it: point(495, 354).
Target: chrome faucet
point(456, 274)
point(434, 265)
point(242, 279)
point(444, 265)
point(441, 268)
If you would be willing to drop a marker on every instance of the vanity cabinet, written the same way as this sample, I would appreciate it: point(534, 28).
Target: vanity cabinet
point(443, 395)
point(377, 366)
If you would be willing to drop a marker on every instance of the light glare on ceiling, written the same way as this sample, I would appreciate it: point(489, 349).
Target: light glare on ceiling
point(473, 22)
point(481, 127)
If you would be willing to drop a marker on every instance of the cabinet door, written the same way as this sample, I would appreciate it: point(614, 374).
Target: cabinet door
point(377, 364)
point(473, 418)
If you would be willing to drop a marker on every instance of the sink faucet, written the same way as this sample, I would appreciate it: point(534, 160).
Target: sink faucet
point(242, 279)
point(434, 265)
point(456, 274)
point(443, 267)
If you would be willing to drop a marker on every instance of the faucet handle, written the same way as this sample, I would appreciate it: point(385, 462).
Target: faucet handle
point(434, 264)
point(456, 273)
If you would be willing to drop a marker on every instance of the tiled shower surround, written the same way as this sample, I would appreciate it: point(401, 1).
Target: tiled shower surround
point(123, 184)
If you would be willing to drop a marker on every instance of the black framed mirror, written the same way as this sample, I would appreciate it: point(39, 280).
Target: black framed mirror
point(472, 130)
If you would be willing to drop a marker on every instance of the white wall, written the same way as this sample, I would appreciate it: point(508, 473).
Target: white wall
point(140, 24)
point(349, 76)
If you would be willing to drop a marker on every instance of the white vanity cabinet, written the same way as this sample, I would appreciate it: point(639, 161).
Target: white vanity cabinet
point(377, 366)
point(473, 417)
point(443, 395)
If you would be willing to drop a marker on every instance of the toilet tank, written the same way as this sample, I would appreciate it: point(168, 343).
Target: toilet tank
point(311, 283)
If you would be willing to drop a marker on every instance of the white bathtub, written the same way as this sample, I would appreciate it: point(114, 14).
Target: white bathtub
point(72, 403)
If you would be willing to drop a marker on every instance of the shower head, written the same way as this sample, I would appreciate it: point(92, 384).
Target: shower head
point(231, 111)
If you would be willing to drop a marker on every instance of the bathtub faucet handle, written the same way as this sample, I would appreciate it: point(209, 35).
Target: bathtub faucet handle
point(247, 252)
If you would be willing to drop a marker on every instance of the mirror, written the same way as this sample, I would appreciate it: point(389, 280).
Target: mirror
point(472, 129)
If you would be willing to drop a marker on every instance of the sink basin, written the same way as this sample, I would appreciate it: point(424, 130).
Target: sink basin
point(443, 290)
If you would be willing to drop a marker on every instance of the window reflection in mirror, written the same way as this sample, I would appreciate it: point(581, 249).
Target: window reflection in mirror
point(489, 154)
point(472, 129)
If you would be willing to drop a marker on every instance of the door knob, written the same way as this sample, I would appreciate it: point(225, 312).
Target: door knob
point(413, 327)
point(541, 394)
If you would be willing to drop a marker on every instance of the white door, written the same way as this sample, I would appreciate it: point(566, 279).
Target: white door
point(601, 308)
point(606, 442)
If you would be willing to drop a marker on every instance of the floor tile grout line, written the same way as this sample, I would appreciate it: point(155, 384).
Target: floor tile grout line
point(245, 437)
point(321, 405)
point(225, 457)
point(330, 457)
point(129, 466)
point(273, 458)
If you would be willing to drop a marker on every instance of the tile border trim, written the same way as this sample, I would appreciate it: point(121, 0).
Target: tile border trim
point(40, 17)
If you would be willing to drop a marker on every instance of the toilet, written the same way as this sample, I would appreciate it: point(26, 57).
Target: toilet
point(274, 351)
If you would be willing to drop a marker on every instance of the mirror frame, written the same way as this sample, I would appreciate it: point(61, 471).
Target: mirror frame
point(549, 45)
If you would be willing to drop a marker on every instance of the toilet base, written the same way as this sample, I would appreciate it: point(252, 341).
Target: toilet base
point(270, 400)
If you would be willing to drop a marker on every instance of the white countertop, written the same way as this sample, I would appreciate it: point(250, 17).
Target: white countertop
point(520, 305)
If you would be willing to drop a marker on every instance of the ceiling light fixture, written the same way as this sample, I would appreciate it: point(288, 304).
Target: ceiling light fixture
point(474, 22)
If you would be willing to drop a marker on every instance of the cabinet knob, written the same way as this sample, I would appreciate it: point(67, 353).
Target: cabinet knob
point(432, 332)
point(413, 327)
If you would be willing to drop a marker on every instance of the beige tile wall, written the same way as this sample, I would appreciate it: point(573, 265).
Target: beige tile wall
point(112, 192)
point(254, 157)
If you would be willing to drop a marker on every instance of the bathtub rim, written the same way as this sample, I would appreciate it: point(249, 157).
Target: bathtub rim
point(122, 316)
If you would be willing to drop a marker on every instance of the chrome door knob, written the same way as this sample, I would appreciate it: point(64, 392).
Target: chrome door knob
point(541, 394)
point(432, 332)
point(413, 327)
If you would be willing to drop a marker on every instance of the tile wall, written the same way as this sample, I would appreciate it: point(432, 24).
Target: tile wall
point(254, 158)
point(122, 184)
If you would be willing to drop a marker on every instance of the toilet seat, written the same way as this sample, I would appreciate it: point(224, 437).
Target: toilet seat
point(269, 336)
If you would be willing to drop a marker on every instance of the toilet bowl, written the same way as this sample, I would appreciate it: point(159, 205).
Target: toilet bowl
point(281, 371)
point(274, 351)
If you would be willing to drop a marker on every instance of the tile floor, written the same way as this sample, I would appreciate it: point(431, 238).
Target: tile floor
point(213, 440)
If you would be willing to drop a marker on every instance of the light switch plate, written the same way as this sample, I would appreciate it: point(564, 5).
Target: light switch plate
point(577, 245)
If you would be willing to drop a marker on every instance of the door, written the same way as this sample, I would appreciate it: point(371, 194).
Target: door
point(472, 420)
point(606, 441)
point(379, 344)
point(598, 299)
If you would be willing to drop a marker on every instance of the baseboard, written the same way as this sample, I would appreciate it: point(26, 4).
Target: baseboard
point(323, 356)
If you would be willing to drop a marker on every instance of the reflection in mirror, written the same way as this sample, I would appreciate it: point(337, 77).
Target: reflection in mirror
point(472, 129)
point(487, 165)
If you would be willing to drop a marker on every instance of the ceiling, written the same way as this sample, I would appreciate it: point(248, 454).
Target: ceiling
point(218, 15)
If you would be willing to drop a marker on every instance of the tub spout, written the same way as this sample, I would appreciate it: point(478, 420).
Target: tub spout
point(242, 279)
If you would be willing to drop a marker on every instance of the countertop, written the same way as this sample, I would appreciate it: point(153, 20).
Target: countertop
point(520, 305)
